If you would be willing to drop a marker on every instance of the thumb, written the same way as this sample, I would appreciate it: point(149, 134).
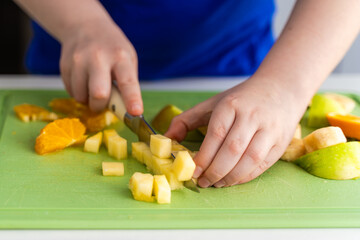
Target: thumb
point(189, 120)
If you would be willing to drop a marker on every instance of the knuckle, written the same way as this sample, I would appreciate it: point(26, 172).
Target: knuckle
point(255, 156)
point(236, 146)
point(218, 132)
point(121, 55)
point(231, 101)
point(214, 175)
point(99, 94)
point(77, 57)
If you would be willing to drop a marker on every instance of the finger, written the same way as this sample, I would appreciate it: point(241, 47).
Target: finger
point(273, 156)
point(254, 156)
point(78, 81)
point(126, 77)
point(230, 152)
point(189, 120)
point(65, 74)
point(219, 125)
point(99, 87)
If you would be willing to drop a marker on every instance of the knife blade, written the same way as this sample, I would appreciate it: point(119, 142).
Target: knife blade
point(138, 125)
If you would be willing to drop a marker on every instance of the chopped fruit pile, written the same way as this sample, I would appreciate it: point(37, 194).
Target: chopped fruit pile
point(94, 122)
point(146, 187)
point(28, 112)
point(60, 134)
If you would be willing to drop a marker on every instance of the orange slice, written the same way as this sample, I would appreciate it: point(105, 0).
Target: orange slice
point(60, 134)
point(28, 112)
point(94, 122)
point(349, 124)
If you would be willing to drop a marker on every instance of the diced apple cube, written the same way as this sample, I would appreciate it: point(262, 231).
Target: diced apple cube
point(92, 144)
point(323, 137)
point(141, 186)
point(117, 147)
point(137, 149)
point(158, 162)
point(162, 190)
point(295, 150)
point(113, 168)
point(160, 146)
point(107, 134)
point(183, 166)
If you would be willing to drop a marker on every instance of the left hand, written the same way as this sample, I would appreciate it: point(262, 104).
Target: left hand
point(249, 128)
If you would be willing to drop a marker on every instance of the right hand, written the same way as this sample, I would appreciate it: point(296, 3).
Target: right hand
point(92, 56)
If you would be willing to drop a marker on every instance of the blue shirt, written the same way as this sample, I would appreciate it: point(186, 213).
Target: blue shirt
point(180, 38)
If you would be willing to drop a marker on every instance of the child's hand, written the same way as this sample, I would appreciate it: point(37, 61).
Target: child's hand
point(249, 127)
point(92, 56)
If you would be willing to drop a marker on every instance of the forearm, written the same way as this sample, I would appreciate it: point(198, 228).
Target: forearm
point(315, 39)
point(62, 18)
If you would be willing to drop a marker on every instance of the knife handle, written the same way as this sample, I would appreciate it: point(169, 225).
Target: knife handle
point(116, 103)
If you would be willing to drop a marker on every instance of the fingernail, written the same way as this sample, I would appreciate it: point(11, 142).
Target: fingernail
point(197, 172)
point(220, 184)
point(204, 182)
point(135, 107)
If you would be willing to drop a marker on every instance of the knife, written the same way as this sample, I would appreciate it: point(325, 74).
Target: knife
point(138, 125)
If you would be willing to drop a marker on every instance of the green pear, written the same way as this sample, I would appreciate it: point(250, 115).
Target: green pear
point(320, 106)
point(339, 162)
point(162, 121)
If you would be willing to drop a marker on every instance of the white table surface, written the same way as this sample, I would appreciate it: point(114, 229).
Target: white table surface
point(343, 83)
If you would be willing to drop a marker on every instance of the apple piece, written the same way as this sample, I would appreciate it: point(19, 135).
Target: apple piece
point(323, 137)
point(162, 190)
point(160, 146)
point(92, 144)
point(297, 133)
point(295, 150)
point(113, 168)
point(340, 161)
point(107, 134)
point(138, 149)
point(117, 147)
point(162, 121)
point(320, 106)
point(183, 166)
point(346, 103)
point(141, 186)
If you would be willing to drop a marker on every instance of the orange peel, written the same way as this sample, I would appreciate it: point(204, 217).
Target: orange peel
point(349, 124)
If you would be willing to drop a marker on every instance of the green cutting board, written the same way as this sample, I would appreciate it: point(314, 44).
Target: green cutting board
point(66, 190)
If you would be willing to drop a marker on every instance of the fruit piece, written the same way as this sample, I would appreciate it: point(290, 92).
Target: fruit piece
point(320, 106)
point(158, 162)
point(162, 190)
point(160, 146)
point(183, 166)
point(349, 124)
point(137, 149)
point(117, 147)
point(141, 186)
point(107, 134)
point(323, 137)
point(94, 122)
point(295, 150)
point(346, 103)
point(113, 168)
point(297, 133)
point(28, 112)
point(147, 157)
point(174, 183)
point(162, 121)
point(341, 161)
point(92, 144)
point(60, 134)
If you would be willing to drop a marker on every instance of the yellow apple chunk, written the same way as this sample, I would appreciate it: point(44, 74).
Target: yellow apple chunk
point(323, 137)
point(113, 168)
point(107, 134)
point(160, 146)
point(162, 190)
point(137, 150)
point(295, 150)
point(117, 147)
point(92, 144)
point(183, 166)
point(141, 186)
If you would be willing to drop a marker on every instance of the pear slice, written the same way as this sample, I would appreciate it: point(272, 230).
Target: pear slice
point(320, 106)
point(339, 162)
point(162, 121)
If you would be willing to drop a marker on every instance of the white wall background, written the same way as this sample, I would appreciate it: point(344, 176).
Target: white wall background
point(351, 61)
